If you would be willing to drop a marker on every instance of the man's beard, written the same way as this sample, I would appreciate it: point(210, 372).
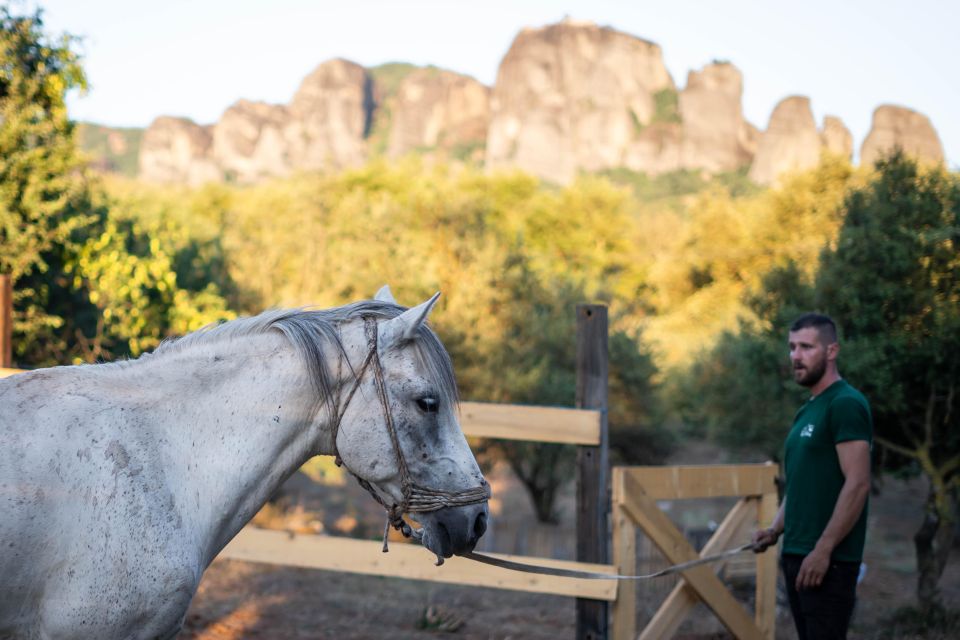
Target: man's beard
point(811, 376)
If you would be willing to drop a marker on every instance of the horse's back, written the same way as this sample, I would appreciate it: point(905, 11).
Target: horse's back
point(38, 495)
point(77, 493)
point(45, 418)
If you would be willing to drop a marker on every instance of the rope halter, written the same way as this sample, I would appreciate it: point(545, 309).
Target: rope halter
point(416, 499)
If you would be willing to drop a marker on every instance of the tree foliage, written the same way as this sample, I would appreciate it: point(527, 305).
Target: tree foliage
point(893, 282)
point(719, 249)
point(44, 196)
point(92, 279)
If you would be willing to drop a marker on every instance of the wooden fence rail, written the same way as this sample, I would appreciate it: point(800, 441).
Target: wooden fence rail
point(335, 553)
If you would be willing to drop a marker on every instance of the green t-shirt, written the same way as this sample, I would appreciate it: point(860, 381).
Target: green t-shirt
point(814, 478)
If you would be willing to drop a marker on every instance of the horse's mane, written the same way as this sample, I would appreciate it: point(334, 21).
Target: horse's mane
point(308, 330)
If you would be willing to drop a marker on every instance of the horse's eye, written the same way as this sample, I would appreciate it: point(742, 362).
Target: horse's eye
point(428, 405)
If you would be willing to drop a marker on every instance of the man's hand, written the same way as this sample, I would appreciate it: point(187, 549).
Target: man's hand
point(764, 538)
point(812, 569)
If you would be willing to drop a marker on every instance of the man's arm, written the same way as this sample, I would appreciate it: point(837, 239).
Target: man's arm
point(768, 537)
point(854, 458)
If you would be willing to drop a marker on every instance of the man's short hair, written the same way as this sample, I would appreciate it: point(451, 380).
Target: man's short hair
point(824, 325)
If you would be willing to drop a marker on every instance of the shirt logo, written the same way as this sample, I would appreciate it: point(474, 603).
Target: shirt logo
point(807, 431)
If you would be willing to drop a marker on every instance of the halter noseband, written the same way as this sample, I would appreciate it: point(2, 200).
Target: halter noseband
point(416, 499)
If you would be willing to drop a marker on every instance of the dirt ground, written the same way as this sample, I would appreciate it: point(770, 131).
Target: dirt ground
point(245, 600)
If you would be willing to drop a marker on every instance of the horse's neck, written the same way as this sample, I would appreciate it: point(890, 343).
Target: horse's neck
point(238, 422)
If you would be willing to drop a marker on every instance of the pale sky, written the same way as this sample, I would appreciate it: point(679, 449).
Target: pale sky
point(194, 58)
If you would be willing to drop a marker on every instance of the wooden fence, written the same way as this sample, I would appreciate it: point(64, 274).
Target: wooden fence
point(515, 422)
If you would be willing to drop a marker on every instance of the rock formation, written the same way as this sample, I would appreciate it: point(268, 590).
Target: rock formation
point(894, 127)
point(326, 126)
point(439, 111)
point(249, 141)
point(330, 117)
point(716, 138)
point(790, 143)
point(571, 97)
point(177, 150)
point(836, 138)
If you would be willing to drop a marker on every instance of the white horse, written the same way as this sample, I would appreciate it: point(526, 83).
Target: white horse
point(120, 483)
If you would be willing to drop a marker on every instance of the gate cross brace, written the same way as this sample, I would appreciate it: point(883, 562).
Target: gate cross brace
point(684, 597)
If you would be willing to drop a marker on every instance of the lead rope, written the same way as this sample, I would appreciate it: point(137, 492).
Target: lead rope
point(416, 499)
point(590, 575)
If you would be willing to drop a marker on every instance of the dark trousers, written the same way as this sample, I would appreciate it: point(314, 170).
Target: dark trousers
point(822, 613)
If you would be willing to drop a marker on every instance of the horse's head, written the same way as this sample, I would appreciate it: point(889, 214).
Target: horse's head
point(399, 432)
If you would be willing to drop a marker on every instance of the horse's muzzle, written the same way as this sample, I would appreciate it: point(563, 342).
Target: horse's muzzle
point(454, 530)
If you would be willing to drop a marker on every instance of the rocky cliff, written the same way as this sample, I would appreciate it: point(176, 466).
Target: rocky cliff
point(341, 115)
point(715, 135)
point(569, 97)
point(177, 150)
point(904, 128)
point(573, 97)
point(790, 143)
point(440, 112)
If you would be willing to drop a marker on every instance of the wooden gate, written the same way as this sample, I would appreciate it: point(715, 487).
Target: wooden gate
point(636, 491)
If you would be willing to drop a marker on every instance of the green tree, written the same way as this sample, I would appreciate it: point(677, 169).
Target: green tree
point(44, 196)
point(893, 284)
point(710, 259)
point(94, 276)
point(739, 393)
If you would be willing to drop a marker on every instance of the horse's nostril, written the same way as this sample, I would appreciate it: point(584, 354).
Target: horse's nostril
point(480, 524)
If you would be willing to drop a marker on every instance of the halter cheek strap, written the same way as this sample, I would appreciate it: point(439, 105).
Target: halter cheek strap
point(416, 499)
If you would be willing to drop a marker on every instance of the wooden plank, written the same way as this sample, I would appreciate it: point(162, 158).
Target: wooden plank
point(410, 561)
point(4, 372)
point(766, 609)
point(675, 547)
point(625, 559)
point(593, 501)
point(6, 321)
point(704, 481)
point(538, 424)
point(683, 598)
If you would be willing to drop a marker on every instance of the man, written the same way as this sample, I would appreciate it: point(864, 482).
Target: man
point(823, 516)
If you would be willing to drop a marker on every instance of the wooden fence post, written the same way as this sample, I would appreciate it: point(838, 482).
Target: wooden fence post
point(766, 602)
point(624, 618)
point(6, 321)
point(593, 498)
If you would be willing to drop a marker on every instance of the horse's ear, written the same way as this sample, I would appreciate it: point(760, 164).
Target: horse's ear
point(385, 295)
point(404, 327)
